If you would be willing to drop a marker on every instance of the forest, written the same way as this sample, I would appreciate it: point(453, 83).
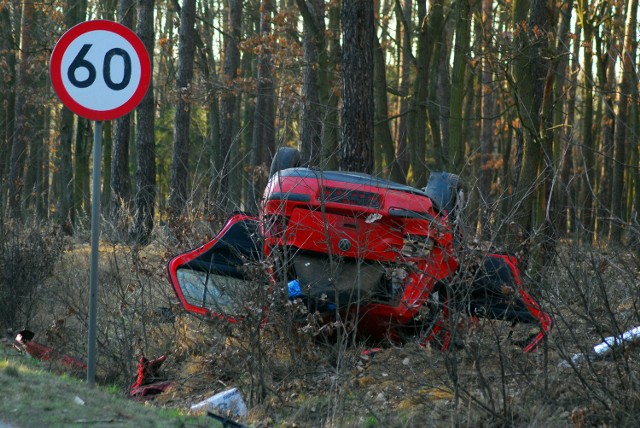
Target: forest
point(533, 103)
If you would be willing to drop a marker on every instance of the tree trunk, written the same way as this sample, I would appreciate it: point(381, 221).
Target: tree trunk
point(81, 192)
point(264, 138)
point(144, 201)
point(486, 135)
point(382, 132)
point(228, 99)
point(328, 88)
point(313, 43)
point(107, 150)
point(182, 115)
point(120, 181)
point(620, 138)
point(588, 157)
point(562, 86)
point(461, 48)
point(404, 15)
point(609, 57)
point(530, 74)
point(357, 86)
point(7, 94)
point(440, 85)
point(418, 116)
point(23, 112)
point(208, 65)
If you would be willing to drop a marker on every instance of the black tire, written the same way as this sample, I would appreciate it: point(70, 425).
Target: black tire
point(285, 157)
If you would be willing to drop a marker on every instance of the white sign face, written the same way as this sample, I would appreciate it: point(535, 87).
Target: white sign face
point(100, 70)
point(104, 63)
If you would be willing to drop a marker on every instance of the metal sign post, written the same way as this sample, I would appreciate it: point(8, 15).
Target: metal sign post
point(101, 71)
point(95, 250)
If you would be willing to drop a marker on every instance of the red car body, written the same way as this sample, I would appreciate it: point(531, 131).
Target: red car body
point(355, 247)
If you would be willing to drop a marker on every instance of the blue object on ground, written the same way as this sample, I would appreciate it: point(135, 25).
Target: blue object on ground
point(294, 289)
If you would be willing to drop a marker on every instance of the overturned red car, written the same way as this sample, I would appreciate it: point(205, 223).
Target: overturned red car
point(379, 255)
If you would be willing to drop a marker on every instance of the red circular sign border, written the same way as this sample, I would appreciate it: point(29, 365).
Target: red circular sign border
point(56, 73)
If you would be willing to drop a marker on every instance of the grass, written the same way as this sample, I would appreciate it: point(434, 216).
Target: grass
point(35, 397)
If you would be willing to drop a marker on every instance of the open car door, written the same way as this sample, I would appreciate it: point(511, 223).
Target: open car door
point(213, 280)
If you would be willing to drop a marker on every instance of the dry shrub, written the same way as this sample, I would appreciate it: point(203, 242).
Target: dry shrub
point(28, 255)
point(135, 308)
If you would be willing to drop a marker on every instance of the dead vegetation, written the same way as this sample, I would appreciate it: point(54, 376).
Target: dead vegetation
point(289, 377)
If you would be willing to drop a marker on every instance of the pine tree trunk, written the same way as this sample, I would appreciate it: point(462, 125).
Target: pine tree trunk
point(7, 106)
point(382, 132)
point(357, 86)
point(228, 100)
point(107, 150)
point(620, 138)
point(313, 43)
point(182, 115)
point(461, 48)
point(144, 200)
point(418, 116)
point(208, 67)
point(23, 113)
point(263, 138)
point(404, 16)
point(530, 74)
point(120, 180)
point(561, 87)
point(486, 135)
point(604, 189)
point(331, 121)
point(588, 157)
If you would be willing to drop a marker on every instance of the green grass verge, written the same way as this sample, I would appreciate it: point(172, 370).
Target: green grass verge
point(35, 397)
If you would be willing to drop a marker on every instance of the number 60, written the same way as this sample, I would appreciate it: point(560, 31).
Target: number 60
point(80, 62)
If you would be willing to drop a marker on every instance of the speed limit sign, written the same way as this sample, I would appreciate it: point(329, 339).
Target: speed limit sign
point(100, 70)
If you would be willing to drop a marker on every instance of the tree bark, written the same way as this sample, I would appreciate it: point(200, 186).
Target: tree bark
point(438, 97)
point(329, 86)
point(182, 115)
point(144, 200)
point(357, 86)
point(562, 86)
point(8, 47)
point(120, 180)
point(458, 71)
point(382, 132)
point(588, 157)
point(530, 74)
point(609, 60)
point(404, 15)
point(418, 116)
point(313, 44)
point(228, 100)
point(23, 113)
point(208, 66)
point(486, 135)
point(622, 122)
point(263, 138)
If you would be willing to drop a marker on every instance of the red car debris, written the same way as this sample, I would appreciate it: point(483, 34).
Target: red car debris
point(45, 353)
point(147, 382)
point(354, 247)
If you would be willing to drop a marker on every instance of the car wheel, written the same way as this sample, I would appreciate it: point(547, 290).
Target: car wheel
point(285, 157)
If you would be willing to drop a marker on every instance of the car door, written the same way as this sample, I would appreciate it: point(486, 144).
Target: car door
point(216, 279)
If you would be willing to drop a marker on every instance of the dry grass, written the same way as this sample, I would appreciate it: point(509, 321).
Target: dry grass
point(289, 379)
